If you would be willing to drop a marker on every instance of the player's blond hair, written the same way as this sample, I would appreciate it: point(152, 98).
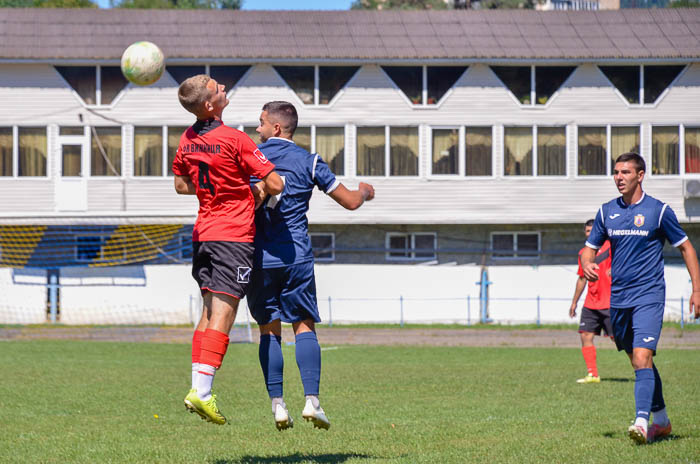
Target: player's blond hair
point(193, 92)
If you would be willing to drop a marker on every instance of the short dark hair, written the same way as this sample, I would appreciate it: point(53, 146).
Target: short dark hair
point(633, 157)
point(589, 223)
point(284, 113)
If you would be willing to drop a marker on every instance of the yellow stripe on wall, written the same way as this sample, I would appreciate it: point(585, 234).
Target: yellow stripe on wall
point(17, 243)
point(135, 243)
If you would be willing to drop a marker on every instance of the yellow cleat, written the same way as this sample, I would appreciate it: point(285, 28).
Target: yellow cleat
point(207, 410)
point(590, 378)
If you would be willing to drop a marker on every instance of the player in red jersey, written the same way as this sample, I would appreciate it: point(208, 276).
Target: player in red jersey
point(215, 162)
point(595, 315)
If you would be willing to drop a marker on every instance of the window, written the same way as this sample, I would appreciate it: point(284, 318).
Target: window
point(174, 135)
point(148, 151)
point(528, 91)
point(411, 246)
point(692, 150)
point(592, 151)
point(623, 140)
point(228, 75)
point(302, 137)
point(300, 79)
point(403, 151)
point(252, 133)
point(445, 151)
point(628, 81)
point(181, 73)
point(330, 144)
point(551, 151)
point(106, 151)
point(331, 79)
point(103, 248)
point(372, 155)
point(323, 245)
point(518, 151)
point(96, 85)
point(424, 85)
point(6, 151)
point(665, 145)
point(32, 151)
point(478, 151)
point(316, 85)
point(371, 151)
point(515, 245)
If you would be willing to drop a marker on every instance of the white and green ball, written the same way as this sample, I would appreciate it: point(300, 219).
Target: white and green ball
point(143, 63)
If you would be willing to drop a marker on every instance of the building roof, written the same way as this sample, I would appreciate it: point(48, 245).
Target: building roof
point(103, 34)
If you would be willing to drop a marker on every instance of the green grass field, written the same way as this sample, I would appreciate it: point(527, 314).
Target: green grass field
point(65, 401)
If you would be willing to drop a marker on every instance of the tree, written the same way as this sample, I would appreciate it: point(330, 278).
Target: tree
point(47, 4)
point(178, 4)
point(399, 5)
point(685, 4)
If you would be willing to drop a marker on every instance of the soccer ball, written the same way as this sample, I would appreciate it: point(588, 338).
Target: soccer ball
point(143, 63)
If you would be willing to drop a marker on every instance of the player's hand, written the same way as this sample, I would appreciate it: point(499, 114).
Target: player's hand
point(367, 191)
point(572, 310)
point(258, 193)
point(590, 271)
point(694, 304)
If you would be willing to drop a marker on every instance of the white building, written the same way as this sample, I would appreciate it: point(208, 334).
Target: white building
point(488, 135)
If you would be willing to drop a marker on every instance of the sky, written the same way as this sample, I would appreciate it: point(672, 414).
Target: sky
point(282, 4)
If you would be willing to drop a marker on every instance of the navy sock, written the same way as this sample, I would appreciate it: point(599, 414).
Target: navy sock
point(272, 363)
point(657, 401)
point(308, 353)
point(643, 391)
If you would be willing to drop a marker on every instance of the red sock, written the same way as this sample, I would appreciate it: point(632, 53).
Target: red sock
point(589, 358)
point(196, 345)
point(214, 345)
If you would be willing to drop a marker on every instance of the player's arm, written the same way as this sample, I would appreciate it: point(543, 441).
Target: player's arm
point(272, 184)
point(590, 268)
point(259, 194)
point(352, 199)
point(691, 262)
point(184, 185)
point(580, 286)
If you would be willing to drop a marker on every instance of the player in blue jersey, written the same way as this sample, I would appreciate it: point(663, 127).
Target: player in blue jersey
point(283, 286)
point(637, 226)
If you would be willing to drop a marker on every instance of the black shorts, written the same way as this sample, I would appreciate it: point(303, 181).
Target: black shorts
point(222, 267)
point(593, 320)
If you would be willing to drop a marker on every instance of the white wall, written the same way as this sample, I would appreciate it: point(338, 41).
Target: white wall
point(358, 293)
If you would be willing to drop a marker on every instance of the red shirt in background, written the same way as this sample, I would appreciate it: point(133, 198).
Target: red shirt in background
point(220, 161)
point(598, 296)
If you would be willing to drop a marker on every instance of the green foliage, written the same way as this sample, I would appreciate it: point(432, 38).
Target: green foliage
point(685, 4)
point(91, 401)
point(47, 4)
point(398, 5)
point(179, 4)
point(507, 4)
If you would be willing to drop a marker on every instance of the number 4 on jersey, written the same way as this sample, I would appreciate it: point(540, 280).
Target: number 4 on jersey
point(204, 179)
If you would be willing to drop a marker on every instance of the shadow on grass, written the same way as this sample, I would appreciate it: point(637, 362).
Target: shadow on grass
point(623, 436)
point(296, 457)
point(616, 379)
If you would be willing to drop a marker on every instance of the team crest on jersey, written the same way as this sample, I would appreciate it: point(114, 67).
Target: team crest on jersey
point(258, 154)
point(639, 220)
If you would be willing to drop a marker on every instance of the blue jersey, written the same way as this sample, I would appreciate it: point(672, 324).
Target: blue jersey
point(637, 233)
point(282, 229)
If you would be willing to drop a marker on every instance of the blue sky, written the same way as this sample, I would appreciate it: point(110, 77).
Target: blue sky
point(282, 4)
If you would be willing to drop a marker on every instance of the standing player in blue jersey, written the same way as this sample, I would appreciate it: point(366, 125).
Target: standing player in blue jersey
point(637, 226)
point(283, 286)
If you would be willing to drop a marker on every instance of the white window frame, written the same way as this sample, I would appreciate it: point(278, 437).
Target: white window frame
point(98, 89)
point(163, 153)
point(683, 128)
point(608, 148)
point(316, 89)
point(533, 86)
point(332, 250)
point(89, 136)
point(534, 154)
point(15, 155)
point(412, 243)
point(681, 152)
point(515, 245)
point(424, 90)
point(641, 103)
point(387, 153)
point(345, 138)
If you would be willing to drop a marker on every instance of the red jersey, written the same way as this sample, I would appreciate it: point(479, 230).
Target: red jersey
point(598, 296)
point(220, 161)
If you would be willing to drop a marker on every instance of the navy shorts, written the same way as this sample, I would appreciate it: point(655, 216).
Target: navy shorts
point(595, 321)
point(286, 293)
point(638, 327)
point(222, 267)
